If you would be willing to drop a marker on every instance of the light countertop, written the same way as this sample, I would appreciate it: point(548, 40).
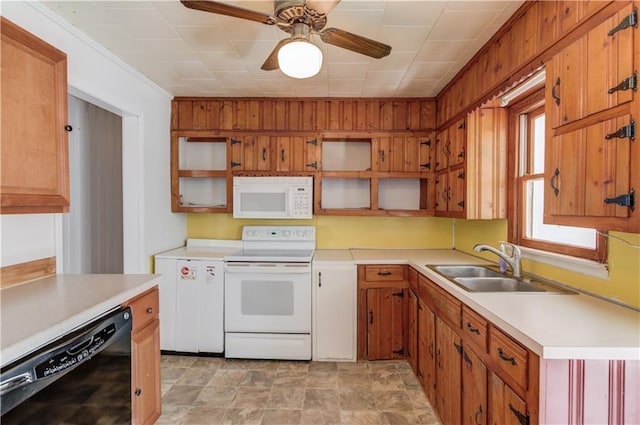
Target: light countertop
point(34, 313)
point(554, 326)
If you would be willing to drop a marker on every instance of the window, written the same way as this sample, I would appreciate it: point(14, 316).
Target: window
point(527, 227)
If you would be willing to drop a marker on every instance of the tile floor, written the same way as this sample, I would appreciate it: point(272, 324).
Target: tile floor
point(214, 390)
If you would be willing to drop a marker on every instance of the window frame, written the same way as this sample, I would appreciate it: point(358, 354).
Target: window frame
point(534, 102)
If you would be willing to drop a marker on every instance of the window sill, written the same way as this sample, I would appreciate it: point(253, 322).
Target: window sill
point(567, 262)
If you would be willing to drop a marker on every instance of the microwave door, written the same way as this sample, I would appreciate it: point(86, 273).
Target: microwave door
point(261, 202)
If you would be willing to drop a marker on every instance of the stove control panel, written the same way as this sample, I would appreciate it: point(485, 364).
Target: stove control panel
point(279, 233)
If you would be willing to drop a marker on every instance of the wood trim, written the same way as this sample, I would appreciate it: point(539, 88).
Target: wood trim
point(23, 272)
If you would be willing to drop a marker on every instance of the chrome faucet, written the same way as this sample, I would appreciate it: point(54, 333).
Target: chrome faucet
point(513, 260)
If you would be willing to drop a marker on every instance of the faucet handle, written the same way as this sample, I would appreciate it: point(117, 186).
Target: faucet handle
point(514, 250)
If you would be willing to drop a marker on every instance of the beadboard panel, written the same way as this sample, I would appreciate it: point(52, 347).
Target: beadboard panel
point(303, 114)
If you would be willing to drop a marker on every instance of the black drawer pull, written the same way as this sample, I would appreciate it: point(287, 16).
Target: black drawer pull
point(471, 329)
point(511, 360)
point(554, 95)
point(384, 273)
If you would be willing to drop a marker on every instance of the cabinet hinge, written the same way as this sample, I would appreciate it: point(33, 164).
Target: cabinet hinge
point(461, 154)
point(235, 164)
point(626, 200)
point(235, 141)
point(629, 83)
point(631, 20)
point(461, 175)
point(522, 418)
point(467, 358)
point(626, 132)
point(462, 126)
point(458, 348)
point(461, 204)
point(426, 165)
point(313, 164)
point(313, 142)
point(426, 142)
point(399, 294)
point(399, 352)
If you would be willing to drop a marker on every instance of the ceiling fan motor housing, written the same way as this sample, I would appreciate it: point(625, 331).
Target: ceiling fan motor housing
point(291, 12)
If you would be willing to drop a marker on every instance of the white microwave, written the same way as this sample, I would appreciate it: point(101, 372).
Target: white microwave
point(273, 197)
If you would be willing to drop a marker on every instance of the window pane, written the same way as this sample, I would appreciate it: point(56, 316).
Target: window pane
point(538, 145)
point(536, 229)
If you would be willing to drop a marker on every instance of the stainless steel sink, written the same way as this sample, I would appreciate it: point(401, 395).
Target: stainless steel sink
point(466, 271)
point(495, 284)
point(476, 278)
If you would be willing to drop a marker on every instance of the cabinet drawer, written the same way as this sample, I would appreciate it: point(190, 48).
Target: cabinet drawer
point(392, 274)
point(474, 327)
point(510, 356)
point(144, 308)
point(447, 305)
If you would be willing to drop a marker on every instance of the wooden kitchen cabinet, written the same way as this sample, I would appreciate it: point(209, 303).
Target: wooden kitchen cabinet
point(474, 388)
point(381, 311)
point(199, 177)
point(405, 154)
point(507, 408)
point(34, 148)
point(412, 331)
point(334, 311)
point(473, 183)
point(145, 358)
point(251, 153)
point(296, 153)
point(448, 373)
point(427, 350)
point(594, 73)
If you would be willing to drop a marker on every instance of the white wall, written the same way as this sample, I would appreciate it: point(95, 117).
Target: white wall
point(97, 76)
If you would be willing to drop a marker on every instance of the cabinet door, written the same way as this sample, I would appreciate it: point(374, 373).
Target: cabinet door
point(250, 153)
point(458, 142)
point(457, 185)
point(474, 389)
point(588, 169)
point(385, 317)
point(427, 350)
point(412, 332)
point(145, 358)
point(334, 323)
point(426, 145)
point(34, 150)
point(448, 394)
point(442, 192)
point(442, 147)
point(506, 408)
point(564, 88)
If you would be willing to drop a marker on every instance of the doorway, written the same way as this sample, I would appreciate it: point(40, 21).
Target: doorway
point(93, 229)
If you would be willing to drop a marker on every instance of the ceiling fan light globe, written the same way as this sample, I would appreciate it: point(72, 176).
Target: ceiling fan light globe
point(300, 59)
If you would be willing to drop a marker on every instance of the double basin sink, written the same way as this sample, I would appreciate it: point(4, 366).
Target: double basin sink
point(475, 278)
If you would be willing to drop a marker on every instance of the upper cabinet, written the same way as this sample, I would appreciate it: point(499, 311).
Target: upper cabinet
point(594, 73)
point(34, 147)
point(471, 168)
point(591, 152)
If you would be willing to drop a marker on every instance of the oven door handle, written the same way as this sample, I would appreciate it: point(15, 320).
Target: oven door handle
point(268, 268)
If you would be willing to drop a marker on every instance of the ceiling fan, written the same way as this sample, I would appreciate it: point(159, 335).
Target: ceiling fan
point(301, 19)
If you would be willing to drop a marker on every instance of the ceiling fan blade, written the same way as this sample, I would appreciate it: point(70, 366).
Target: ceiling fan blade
point(228, 10)
point(355, 43)
point(271, 63)
point(322, 6)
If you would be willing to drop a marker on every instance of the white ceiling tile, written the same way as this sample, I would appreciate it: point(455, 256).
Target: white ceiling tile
point(255, 51)
point(412, 13)
point(428, 70)
point(133, 4)
point(235, 79)
point(113, 37)
point(441, 50)
point(276, 87)
point(82, 14)
point(168, 50)
point(192, 70)
point(403, 39)
point(345, 71)
point(378, 91)
point(142, 23)
point(338, 54)
point(364, 22)
point(223, 61)
point(311, 91)
point(359, 5)
point(350, 86)
point(177, 14)
point(396, 61)
point(258, 73)
point(388, 78)
point(460, 25)
point(209, 84)
point(476, 5)
point(204, 38)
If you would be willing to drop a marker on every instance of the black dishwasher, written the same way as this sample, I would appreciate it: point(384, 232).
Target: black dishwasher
point(83, 377)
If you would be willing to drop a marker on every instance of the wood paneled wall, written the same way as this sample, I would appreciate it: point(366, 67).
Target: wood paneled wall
point(531, 36)
point(303, 114)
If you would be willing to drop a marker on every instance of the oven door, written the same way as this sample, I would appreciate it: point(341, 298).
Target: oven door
point(268, 297)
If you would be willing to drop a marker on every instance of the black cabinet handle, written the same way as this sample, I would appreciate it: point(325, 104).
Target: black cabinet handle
point(522, 418)
point(282, 155)
point(382, 156)
point(502, 356)
point(554, 183)
point(384, 273)
point(138, 392)
point(471, 329)
point(479, 412)
point(150, 310)
point(319, 279)
point(371, 317)
point(264, 154)
point(553, 91)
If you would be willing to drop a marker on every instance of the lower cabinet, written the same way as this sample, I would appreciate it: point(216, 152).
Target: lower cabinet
point(474, 388)
point(506, 407)
point(426, 350)
point(412, 331)
point(145, 358)
point(381, 311)
point(334, 311)
point(448, 373)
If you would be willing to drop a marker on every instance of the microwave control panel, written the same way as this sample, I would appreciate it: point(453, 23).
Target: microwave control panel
point(302, 202)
